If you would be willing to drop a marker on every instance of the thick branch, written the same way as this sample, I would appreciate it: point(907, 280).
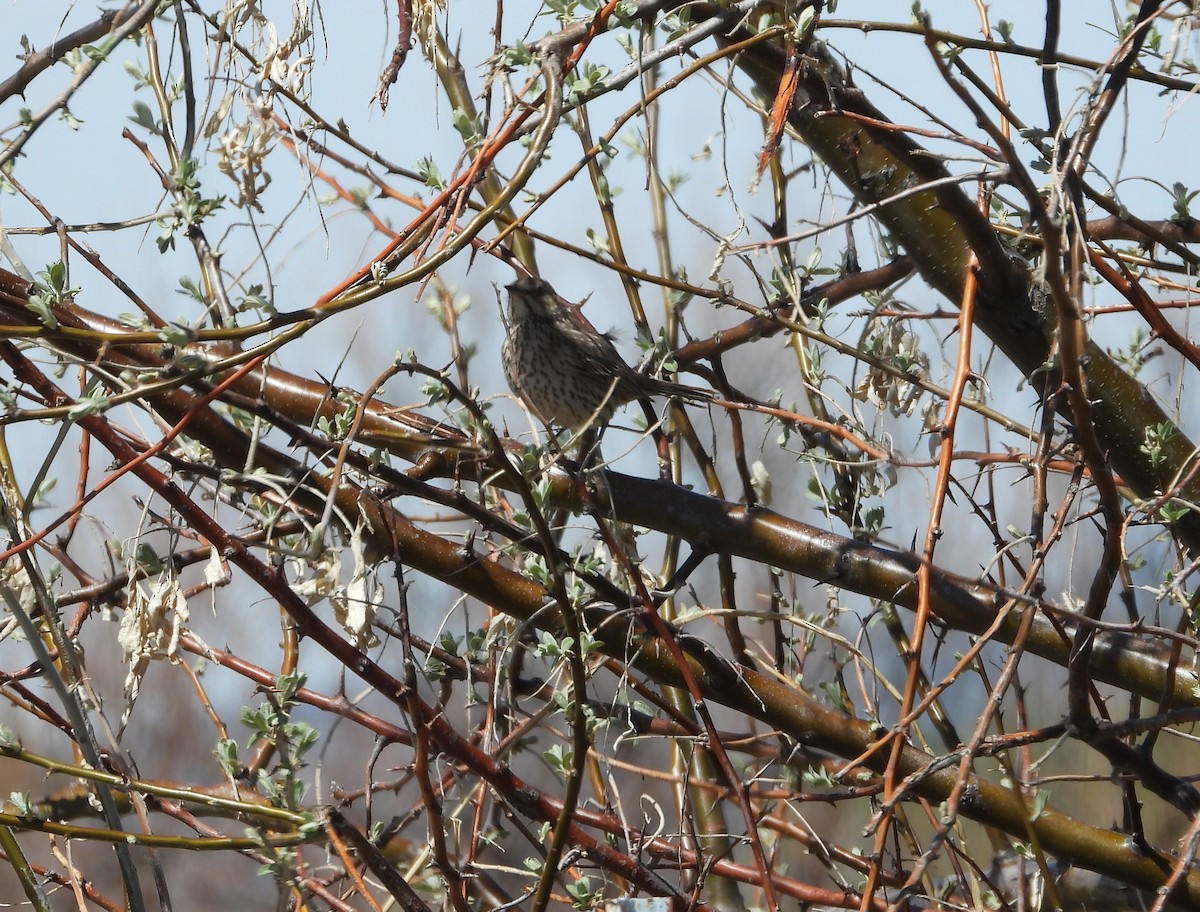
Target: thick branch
point(939, 229)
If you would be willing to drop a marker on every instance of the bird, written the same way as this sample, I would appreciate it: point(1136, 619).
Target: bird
point(566, 371)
